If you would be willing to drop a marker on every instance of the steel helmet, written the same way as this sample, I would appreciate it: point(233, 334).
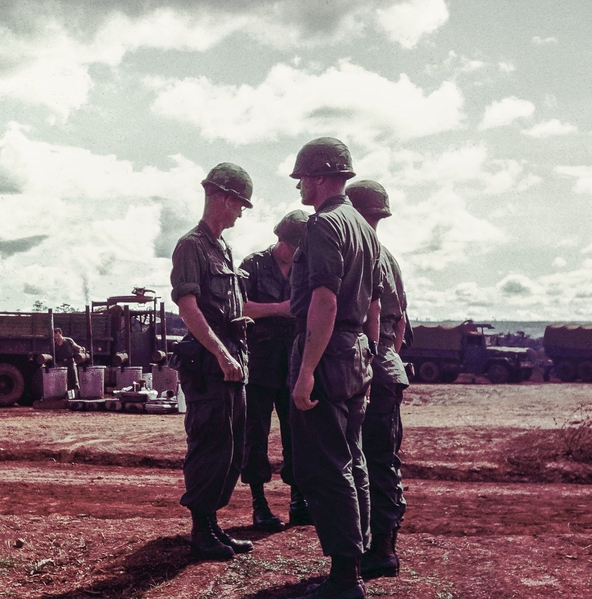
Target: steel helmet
point(369, 198)
point(290, 228)
point(232, 179)
point(323, 156)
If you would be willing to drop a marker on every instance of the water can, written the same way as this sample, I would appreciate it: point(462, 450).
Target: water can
point(92, 382)
point(127, 376)
point(55, 383)
point(164, 378)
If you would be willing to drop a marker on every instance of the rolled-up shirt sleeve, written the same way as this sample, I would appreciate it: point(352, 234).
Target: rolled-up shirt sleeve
point(187, 270)
point(325, 260)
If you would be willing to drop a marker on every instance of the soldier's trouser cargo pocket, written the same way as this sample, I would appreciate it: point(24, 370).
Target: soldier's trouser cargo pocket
point(344, 369)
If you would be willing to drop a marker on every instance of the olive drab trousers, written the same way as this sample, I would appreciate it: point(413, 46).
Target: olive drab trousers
point(382, 433)
point(215, 427)
point(329, 465)
point(260, 403)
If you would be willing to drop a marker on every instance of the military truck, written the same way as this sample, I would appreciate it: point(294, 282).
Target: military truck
point(441, 352)
point(121, 331)
point(569, 346)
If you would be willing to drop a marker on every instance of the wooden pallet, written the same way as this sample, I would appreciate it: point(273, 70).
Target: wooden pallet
point(86, 405)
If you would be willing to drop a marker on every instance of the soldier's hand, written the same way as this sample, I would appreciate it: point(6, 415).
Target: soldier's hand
point(285, 309)
point(301, 393)
point(231, 368)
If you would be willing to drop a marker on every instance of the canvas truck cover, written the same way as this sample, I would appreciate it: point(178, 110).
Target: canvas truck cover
point(24, 332)
point(438, 337)
point(572, 336)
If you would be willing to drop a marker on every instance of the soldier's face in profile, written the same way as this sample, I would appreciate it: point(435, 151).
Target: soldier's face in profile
point(235, 209)
point(308, 190)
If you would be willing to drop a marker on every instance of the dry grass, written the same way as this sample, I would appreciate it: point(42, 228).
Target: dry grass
point(577, 435)
point(572, 442)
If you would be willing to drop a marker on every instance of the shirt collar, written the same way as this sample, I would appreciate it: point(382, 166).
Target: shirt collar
point(332, 202)
point(204, 228)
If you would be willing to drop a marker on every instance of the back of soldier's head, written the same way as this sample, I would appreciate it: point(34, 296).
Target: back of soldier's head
point(369, 198)
point(290, 228)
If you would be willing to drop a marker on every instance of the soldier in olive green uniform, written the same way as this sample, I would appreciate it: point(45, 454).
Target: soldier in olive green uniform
point(383, 430)
point(335, 290)
point(270, 344)
point(65, 348)
point(212, 360)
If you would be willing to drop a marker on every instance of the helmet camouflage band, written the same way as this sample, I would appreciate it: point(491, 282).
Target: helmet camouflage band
point(290, 228)
point(323, 156)
point(369, 198)
point(232, 179)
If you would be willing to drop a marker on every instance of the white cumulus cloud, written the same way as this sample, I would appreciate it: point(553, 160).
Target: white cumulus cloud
point(559, 262)
point(407, 22)
point(81, 220)
point(469, 166)
point(550, 129)
point(348, 101)
point(504, 112)
point(582, 175)
point(564, 295)
point(439, 231)
point(48, 70)
point(47, 62)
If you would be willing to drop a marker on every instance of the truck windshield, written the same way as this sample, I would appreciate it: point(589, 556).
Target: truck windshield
point(491, 340)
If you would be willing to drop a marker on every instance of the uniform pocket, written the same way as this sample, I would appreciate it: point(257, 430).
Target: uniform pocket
point(221, 279)
point(343, 370)
point(269, 288)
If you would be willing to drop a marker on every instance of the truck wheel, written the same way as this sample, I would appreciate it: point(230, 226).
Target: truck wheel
point(12, 384)
point(33, 388)
point(585, 371)
point(566, 371)
point(498, 374)
point(429, 372)
point(449, 377)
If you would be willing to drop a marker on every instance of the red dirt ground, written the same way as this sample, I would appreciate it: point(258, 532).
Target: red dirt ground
point(497, 483)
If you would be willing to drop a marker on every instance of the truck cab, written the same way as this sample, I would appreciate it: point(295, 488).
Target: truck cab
point(441, 352)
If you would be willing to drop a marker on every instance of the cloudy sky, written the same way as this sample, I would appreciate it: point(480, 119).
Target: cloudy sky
point(475, 115)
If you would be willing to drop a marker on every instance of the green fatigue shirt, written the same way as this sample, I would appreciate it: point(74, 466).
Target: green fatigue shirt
point(388, 367)
point(340, 251)
point(203, 266)
point(271, 339)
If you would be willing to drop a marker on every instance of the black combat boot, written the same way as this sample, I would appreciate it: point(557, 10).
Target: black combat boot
point(299, 514)
point(236, 545)
point(204, 542)
point(263, 519)
point(381, 559)
point(344, 582)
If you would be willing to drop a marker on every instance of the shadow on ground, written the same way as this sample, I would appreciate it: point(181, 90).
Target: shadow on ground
point(286, 591)
point(154, 563)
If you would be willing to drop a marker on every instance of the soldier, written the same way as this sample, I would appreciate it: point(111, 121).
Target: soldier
point(212, 360)
point(335, 289)
point(382, 431)
point(270, 343)
point(65, 348)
